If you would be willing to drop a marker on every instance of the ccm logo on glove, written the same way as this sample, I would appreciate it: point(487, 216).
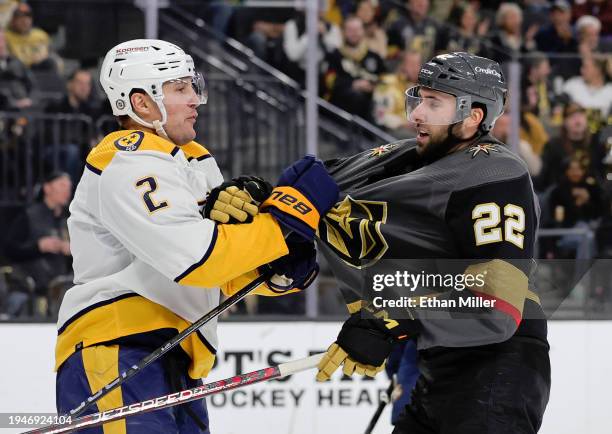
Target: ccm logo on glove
point(291, 201)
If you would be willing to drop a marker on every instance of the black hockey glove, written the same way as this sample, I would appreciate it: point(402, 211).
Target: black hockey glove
point(237, 201)
point(298, 269)
point(363, 345)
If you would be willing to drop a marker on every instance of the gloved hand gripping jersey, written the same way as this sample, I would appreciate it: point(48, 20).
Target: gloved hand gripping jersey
point(304, 193)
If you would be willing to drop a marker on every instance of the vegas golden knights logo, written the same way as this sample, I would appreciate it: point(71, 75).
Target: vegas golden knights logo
point(353, 230)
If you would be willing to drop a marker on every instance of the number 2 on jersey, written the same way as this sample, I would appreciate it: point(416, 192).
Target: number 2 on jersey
point(488, 217)
point(149, 202)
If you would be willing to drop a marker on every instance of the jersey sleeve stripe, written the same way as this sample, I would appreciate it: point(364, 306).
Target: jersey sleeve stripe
point(93, 169)
point(198, 264)
point(237, 250)
point(502, 306)
point(502, 280)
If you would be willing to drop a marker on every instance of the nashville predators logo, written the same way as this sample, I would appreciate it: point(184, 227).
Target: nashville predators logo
point(353, 230)
point(131, 142)
point(485, 148)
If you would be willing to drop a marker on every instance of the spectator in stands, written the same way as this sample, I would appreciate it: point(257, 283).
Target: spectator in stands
point(602, 9)
point(509, 41)
point(78, 98)
point(38, 241)
point(537, 76)
point(261, 29)
point(532, 129)
point(577, 197)
point(295, 43)
point(390, 97)
point(536, 12)
point(577, 201)
point(15, 80)
point(575, 141)
point(375, 36)
point(413, 30)
point(588, 31)
point(591, 89)
point(352, 71)
point(334, 11)
point(501, 131)
point(29, 44)
point(466, 31)
point(558, 38)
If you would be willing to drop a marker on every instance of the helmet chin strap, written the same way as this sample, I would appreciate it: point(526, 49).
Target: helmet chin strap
point(157, 125)
point(159, 129)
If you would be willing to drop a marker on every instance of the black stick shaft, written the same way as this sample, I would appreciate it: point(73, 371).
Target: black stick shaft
point(379, 410)
point(155, 355)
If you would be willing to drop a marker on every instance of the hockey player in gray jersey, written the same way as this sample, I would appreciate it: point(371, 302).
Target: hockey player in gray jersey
point(417, 206)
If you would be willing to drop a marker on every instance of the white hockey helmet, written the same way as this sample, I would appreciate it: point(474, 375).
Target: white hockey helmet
point(146, 64)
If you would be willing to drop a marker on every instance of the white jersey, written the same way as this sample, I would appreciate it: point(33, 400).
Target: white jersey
point(145, 260)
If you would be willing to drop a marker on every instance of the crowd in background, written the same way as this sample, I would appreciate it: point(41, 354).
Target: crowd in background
point(369, 53)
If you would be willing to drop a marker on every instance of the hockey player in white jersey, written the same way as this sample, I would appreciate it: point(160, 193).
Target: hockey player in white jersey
point(146, 263)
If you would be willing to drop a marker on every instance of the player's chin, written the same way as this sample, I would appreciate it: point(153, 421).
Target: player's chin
point(190, 129)
point(422, 142)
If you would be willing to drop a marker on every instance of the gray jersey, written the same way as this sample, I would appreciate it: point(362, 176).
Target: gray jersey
point(472, 212)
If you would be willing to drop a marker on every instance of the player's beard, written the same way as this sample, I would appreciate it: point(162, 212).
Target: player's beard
point(438, 144)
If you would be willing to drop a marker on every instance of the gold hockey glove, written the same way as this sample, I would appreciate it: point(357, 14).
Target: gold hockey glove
point(237, 201)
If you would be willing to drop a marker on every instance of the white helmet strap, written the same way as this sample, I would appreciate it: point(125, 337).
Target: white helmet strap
point(157, 125)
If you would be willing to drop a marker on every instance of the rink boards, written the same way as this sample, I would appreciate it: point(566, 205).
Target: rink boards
point(581, 358)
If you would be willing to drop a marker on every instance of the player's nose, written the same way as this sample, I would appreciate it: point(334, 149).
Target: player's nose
point(418, 114)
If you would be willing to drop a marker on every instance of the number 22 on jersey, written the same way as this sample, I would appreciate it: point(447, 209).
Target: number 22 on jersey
point(150, 185)
point(488, 218)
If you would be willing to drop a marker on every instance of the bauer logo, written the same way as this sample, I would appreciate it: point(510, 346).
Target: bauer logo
point(488, 71)
point(290, 201)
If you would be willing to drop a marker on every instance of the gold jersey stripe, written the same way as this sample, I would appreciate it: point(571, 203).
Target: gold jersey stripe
point(195, 150)
point(354, 306)
point(236, 250)
point(126, 317)
point(503, 281)
point(101, 156)
point(101, 366)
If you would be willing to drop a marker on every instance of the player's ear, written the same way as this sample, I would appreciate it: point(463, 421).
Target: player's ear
point(476, 116)
point(142, 104)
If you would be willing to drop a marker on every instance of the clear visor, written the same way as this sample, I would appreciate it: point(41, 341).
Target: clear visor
point(436, 108)
point(187, 90)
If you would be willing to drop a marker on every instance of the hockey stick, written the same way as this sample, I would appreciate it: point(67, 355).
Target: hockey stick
point(183, 396)
point(381, 406)
point(158, 353)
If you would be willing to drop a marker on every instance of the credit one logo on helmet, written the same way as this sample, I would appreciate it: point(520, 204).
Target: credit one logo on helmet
point(131, 50)
point(488, 71)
